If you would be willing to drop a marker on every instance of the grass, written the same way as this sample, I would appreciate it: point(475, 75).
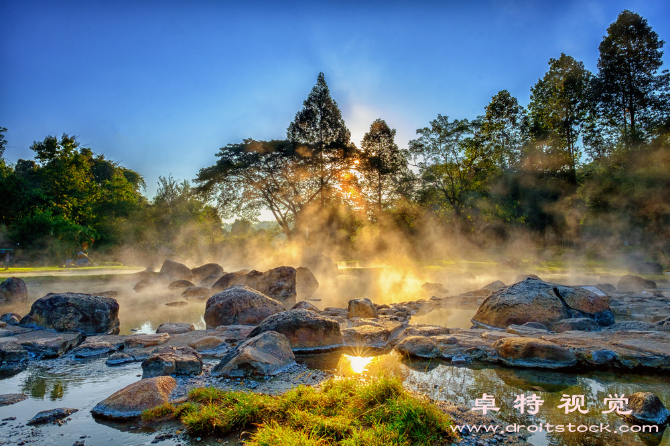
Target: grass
point(40, 269)
point(343, 412)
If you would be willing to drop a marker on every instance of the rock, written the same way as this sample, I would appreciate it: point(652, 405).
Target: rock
point(180, 284)
point(196, 292)
point(493, 286)
point(277, 283)
point(531, 352)
point(180, 303)
point(265, 354)
point(74, 312)
point(420, 346)
point(91, 348)
point(207, 270)
point(630, 283)
point(143, 284)
point(361, 308)
point(239, 305)
point(305, 282)
point(368, 336)
point(322, 267)
point(110, 293)
point(634, 326)
point(119, 358)
point(533, 300)
point(49, 416)
point(11, 398)
point(12, 351)
point(171, 271)
point(304, 305)
point(12, 289)
point(647, 409)
point(11, 318)
point(423, 330)
point(51, 347)
point(526, 330)
point(437, 288)
point(578, 323)
point(646, 269)
point(535, 325)
point(174, 328)
point(172, 361)
point(522, 277)
point(234, 332)
point(206, 343)
point(145, 340)
point(132, 400)
point(606, 288)
point(305, 330)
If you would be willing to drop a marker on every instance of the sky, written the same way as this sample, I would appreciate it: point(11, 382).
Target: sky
point(160, 86)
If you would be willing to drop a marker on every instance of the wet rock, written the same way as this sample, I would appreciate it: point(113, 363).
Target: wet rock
point(175, 328)
point(234, 332)
point(646, 269)
point(646, 408)
point(172, 361)
point(361, 308)
point(11, 398)
point(305, 330)
point(436, 288)
point(420, 346)
point(630, 283)
point(11, 318)
point(304, 305)
point(12, 351)
point(522, 277)
point(266, 354)
point(74, 312)
point(305, 282)
point(532, 352)
point(146, 340)
point(207, 343)
point(119, 358)
point(578, 323)
point(207, 270)
point(180, 284)
point(196, 292)
point(423, 330)
point(49, 416)
point(171, 271)
point(13, 289)
point(369, 336)
point(239, 305)
point(277, 283)
point(533, 300)
point(51, 347)
point(91, 348)
point(526, 330)
point(132, 400)
point(179, 303)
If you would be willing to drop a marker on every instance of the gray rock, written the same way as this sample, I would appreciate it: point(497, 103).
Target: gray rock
point(180, 284)
point(630, 283)
point(207, 270)
point(578, 323)
point(11, 398)
point(173, 328)
point(196, 292)
point(12, 351)
point(493, 286)
point(266, 354)
point(646, 408)
point(646, 268)
point(361, 308)
point(306, 283)
point(532, 352)
point(49, 416)
point(91, 348)
point(305, 330)
point(437, 288)
point(172, 361)
point(278, 283)
point(52, 347)
point(304, 305)
point(11, 318)
point(132, 400)
point(171, 271)
point(13, 289)
point(606, 288)
point(239, 305)
point(419, 346)
point(119, 358)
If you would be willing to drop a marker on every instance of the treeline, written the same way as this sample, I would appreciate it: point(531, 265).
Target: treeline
point(586, 166)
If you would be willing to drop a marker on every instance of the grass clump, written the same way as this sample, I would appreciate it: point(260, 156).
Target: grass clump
point(343, 412)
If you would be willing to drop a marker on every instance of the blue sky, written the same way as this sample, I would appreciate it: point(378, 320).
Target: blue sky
point(160, 86)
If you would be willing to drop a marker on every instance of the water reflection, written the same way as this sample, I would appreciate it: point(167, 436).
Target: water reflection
point(357, 364)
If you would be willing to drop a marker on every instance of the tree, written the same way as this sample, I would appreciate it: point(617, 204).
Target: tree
point(3, 141)
point(632, 94)
point(324, 138)
point(382, 164)
point(503, 128)
point(559, 107)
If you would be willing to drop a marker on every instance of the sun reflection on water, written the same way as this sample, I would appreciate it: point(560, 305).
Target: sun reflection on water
point(358, 363)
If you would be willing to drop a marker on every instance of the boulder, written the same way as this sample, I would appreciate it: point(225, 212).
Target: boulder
point(171, 271)
point(234, 332)
point(305, 330)
point(277, 283)
point(304, 305)
point(239, 305)
point(522, 277)
point(630, 283)
point(172, 361)
point(646, 408)
point(91, 348)
point(11, 318)
point(361, 308)
point(12, 352)
point(646, 269)
point(265, 354)
point(196, 292)
point(51, 347)
point(305, 283)
point(322, 267)
point(11, 398)
point(207, 270)
point(143, 284)
point(534, 300)
point(368, 336)
point(493, 286)
point(51, 415)
point(173, 328)
point(180, 284)
point(132, 400)
point(12, 289)
point(436, 288)
point(207, 343)
point(142, 340)
point(532, 352)
point(606, 288)
point(419, 346)
point(578, 323)
point(74, 312)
